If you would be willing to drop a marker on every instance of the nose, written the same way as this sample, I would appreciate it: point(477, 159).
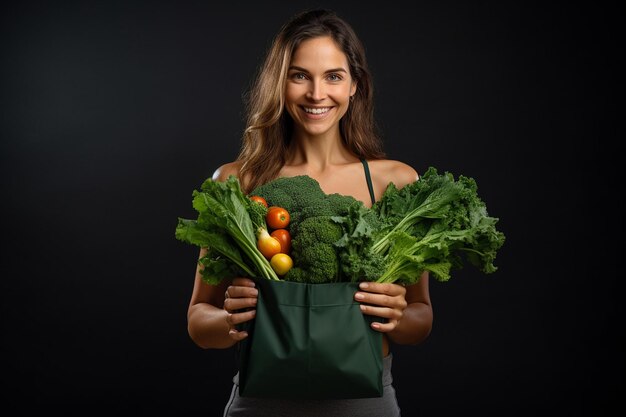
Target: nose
point(316, 91)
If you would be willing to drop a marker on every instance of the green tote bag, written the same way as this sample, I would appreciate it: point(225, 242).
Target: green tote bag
point(310, 341)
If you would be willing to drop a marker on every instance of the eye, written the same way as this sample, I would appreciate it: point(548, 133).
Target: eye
point(334, 77)
point(298, 76)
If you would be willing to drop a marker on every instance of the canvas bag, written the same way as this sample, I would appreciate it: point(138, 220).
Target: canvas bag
point(310, 341)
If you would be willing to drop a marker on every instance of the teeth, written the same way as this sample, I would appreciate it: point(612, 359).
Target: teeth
point(316, 111)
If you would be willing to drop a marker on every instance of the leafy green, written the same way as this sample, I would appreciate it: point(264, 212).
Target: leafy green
point(226, 225)
point(361, 226)
point(434, 224)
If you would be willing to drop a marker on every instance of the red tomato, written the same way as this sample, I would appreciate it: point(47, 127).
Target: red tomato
point(277, 218)
point(284, 238)
point(258, 199)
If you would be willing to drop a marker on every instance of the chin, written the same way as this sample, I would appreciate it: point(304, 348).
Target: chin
point(316, 132)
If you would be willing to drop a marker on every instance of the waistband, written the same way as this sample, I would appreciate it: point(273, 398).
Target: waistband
point(387, 377)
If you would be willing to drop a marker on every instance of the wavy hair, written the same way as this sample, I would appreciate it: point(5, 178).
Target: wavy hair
point(269, 127)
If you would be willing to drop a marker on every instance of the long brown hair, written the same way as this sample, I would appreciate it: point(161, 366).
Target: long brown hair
point(269, 126)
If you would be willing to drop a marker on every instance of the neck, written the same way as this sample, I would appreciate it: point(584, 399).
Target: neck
point(318, 152)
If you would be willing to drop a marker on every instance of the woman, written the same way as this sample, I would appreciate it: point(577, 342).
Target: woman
point(310, 112)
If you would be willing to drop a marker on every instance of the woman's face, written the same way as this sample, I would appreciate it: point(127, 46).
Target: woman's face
point(319, 86)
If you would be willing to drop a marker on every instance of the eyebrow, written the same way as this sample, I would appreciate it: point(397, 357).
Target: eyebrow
point(295, 68)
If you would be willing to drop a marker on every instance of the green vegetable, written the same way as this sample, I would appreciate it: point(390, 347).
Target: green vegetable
point(313, 251)
point(433, 224)
point(357, 262)
point(226, 225)
point(313, 232)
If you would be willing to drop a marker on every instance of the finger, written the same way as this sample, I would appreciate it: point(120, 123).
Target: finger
point(234, 304)
point(233, 319)
point(383, 288)
point(243, 282)
point(384, 327)
point(383, 300)
point(384, 312)
point(237, 335)
point(237, 291)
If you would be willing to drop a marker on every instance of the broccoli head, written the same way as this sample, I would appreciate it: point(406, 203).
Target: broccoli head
point(316, 264)
point(291, 193)
point(313, 251)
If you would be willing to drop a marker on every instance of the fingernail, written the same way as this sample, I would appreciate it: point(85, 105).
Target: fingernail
point(363, 285)
point(376, 325)
point(359, 296)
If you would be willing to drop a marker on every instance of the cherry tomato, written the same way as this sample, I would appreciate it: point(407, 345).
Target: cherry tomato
point(277, 218)
point(284, 238)
point(258, 199)
point(281, 263)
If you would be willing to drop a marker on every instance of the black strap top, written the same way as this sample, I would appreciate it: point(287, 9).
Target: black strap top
point(368, 178)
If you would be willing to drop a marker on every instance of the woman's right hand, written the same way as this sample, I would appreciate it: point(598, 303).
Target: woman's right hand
point(240, 301)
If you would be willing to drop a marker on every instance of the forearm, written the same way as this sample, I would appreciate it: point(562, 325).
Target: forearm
point(414, 326)
point(207, 326)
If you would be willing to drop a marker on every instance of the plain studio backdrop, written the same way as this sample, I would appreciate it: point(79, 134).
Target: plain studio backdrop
point(114, 112)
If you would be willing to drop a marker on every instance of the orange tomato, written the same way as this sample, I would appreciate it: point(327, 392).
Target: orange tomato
point(258, 199)
point(284, 238)
point(277, 218)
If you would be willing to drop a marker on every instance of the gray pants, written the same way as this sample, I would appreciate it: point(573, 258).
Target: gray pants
point(385, 406)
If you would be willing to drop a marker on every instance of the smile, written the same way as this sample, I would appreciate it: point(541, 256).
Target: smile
point(317, 110)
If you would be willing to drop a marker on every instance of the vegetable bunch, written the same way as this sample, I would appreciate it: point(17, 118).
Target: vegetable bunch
point(228, 225)
point(434, 224)
point(313, 231)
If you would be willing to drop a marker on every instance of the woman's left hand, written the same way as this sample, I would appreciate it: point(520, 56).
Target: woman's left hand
point(382, 300)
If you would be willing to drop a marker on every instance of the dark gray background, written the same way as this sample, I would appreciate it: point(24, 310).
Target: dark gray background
point(113, 112)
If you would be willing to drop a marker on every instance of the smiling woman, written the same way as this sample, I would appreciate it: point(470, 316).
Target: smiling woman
point(310, 113)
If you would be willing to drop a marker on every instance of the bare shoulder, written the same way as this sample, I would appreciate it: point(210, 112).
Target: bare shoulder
point(224, 171)
point(399, 173)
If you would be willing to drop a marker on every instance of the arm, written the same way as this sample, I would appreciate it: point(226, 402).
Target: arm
point(417, 319)
point(210, 322)
point(206, 317)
